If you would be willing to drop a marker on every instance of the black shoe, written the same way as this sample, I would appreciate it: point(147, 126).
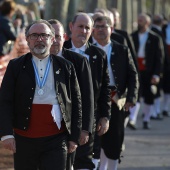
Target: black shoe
point(165, 113)
point(146, 125)
point(158, 117)
point(131, 126)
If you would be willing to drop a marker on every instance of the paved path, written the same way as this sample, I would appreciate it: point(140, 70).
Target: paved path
point(147, 149)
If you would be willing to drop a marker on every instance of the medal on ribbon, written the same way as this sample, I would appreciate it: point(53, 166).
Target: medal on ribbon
point(39, 82)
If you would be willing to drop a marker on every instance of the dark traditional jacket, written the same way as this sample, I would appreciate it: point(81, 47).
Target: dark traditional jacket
point(17, 93)
point(100, 77)
point(84, 77)
point(153, 54)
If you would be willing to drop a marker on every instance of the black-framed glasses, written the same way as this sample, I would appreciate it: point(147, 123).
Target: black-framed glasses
point(35, 36)
point(101, 26)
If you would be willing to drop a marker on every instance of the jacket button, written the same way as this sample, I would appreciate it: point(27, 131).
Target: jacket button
point(29, 108)
point(30, 98)
point(32, 88)
point(24, 127)
point(27, 118)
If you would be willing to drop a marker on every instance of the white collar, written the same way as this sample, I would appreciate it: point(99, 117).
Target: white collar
point(82, 48)
point(36, 59)
point(59, 53)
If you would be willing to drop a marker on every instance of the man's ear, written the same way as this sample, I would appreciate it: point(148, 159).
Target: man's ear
point(70, 26)
point(52, 39)
point(111, 29)
point(65, 36)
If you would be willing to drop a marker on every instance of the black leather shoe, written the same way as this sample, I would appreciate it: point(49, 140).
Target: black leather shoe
point(131, 126)
point(158, 117)
point(165, 113)
point(146, 125)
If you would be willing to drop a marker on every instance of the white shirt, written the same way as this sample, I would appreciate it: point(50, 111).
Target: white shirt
point(142, 42)
point(94, 40)
point(107, 48)
point(168, 34)
point(49, 96)
point(80, 50)
point(60, 54)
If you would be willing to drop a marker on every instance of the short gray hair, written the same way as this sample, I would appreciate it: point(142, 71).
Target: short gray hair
point(39, 22)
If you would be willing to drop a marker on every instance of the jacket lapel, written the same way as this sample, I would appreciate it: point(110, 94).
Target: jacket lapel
point(92, 56)
point(113, 52)
point(28, 66)
point(59, 74)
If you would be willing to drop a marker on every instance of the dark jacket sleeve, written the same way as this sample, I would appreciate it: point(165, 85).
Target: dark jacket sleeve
point(86, 88)
point(104, 102)
point(7, 101)
point(76, 115)
point(84, 77)
point(133, 81)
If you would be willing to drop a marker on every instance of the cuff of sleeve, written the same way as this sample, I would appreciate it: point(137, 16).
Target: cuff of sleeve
point(6, 137)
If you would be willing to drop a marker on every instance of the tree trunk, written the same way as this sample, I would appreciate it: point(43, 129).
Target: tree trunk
point(112, 3)
point(141, 6)
point(57, 9)
point(72, 10)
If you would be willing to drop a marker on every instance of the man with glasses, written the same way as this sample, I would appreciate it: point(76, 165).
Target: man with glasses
point(38, 95)
point(124, 89)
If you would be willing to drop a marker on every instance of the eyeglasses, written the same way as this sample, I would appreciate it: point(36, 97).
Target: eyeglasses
point(35, 36)
point(101, 26)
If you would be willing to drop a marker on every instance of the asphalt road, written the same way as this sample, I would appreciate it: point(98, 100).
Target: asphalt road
point(147, 149)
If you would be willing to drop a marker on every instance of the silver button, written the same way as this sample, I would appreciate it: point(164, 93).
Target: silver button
point(30, 98)
point(29, 108)
point(27, 118)
point(24, 127)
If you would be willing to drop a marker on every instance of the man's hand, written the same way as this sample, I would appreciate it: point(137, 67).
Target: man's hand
point(9, 144)
point(72, 146)
point(84, 137)
point(128, 105)
point(102, 126)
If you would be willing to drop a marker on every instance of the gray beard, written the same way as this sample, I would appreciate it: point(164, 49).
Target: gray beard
point(39, 51)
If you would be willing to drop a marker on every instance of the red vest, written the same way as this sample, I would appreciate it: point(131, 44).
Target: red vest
point(41, 123)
